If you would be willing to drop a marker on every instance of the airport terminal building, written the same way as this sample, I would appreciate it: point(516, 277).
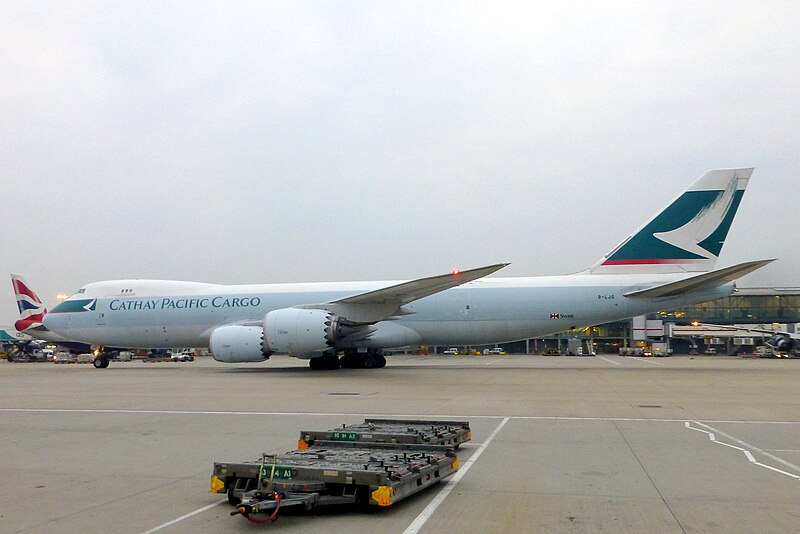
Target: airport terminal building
point(765, 308)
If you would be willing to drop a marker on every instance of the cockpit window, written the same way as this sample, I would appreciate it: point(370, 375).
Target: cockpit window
point(81, 290)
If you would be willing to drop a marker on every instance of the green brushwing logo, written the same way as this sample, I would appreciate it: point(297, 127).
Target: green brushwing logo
point(77, 305)
point(694, 227)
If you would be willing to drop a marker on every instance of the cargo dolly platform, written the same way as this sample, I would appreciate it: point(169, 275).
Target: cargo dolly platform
point(451, 433)
point(367, 474)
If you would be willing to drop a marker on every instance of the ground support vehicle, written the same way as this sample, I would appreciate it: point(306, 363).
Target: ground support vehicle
point(768, 351)
point(452, 433)
point(29, 351)
point(157, 359)
point(635, 351)
point(64, 357)
point(345, 472)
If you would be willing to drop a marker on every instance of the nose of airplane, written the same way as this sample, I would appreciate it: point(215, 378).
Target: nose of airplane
point(56, 322)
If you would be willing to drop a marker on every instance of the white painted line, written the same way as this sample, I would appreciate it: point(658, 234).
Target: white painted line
point(754, 448)
point(491, 362)
point(389, 415)
point(181, 518)
point(749, 455)
point(609, 361)
point(796, 477)
point(688, 425)
point(648, 361)
point(419, 522)
point(224, 412)
point(748, 422)
point(626, 419)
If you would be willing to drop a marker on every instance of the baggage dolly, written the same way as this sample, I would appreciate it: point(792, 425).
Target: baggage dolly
point(452, 433)
point(367, 474)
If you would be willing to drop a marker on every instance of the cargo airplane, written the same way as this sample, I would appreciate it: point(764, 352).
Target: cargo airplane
point(667, 263)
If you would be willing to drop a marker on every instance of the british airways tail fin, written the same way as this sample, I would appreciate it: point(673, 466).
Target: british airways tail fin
point(687, 236)
point(31, 309)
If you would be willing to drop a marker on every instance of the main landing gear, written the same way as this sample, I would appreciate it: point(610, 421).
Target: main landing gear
point(352, 359)
point(102, 357)
point(328, 362)
point(372, 359)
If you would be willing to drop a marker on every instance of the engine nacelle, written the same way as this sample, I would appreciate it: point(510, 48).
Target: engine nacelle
point(238, 343)
point(301, 333)
point(782, 343)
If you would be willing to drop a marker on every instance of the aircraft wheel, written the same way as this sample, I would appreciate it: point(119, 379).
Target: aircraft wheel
point(316, 364)
point(381, 361)
point(100, 363)
point(350, 360)
point(330, 362)
point(370, 361)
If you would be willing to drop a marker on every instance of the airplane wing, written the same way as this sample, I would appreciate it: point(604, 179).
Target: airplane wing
point(705, 280)
point(374, 306)
point(422, 287)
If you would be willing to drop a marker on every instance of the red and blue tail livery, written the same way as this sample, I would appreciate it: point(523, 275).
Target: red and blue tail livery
point(31, 309)
point(687, 235)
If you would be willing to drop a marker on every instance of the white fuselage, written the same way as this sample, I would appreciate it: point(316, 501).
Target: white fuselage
point(155, 313)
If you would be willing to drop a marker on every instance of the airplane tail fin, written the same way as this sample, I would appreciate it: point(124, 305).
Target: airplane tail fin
point(687, 235)
point(31, 308)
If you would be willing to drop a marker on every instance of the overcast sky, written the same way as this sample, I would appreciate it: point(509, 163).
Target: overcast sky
point(247, 142)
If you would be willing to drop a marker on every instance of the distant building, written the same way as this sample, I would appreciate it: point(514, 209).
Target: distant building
point(756, 305)
point(762, 307)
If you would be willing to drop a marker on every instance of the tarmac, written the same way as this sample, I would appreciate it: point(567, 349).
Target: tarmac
point(559, 444)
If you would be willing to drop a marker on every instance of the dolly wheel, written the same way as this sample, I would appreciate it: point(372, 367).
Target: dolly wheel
point(233, 500)
point(362, 501)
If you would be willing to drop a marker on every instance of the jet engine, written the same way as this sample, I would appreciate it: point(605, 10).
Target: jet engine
point(782, 343)
point(302, 333)
point(238, 343)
